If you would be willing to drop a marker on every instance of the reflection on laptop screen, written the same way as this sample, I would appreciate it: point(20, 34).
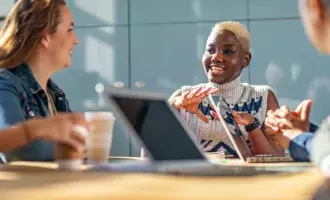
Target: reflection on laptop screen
point(158, 128)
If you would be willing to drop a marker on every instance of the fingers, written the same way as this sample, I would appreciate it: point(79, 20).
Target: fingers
point(277, 123)
point(243, 118)
point(214, 90)
point(234, 113)
point(185, 94)
point(240, 115)
point(284, 112)
point(273, 128)
point(81, 131)
point(75, 133)
point(197, 92)
point(201, 92)
point(303, 109)
point(270, 113)
point(76, 138)
point(299, 108)
point(193, 97)
point(271, 121)
point(280, 118)
point(201, 116)
point(189, 97)
point(284, 123)
point(76, 143)
point(283, 118)
point(214, 115)
point(78, 119)
point(236, 116)
point(306, 110)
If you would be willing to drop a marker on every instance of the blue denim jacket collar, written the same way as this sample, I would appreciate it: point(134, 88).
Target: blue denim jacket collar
point(24, 73)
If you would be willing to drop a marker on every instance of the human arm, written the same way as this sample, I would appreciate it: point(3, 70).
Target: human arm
point(260, 143)
point(292, 128)
point(62, 128)
point(190, 100)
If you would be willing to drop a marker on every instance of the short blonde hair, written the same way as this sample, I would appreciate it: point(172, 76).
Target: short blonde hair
point(239, 30)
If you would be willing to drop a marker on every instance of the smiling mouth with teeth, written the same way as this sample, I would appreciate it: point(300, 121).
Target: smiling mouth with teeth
point(216, 70)
point(70, 52)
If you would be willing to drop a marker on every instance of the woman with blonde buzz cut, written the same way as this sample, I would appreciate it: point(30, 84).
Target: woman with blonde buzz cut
point(227, 53)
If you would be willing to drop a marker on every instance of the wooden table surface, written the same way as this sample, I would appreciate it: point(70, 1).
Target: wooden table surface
point(33, 180)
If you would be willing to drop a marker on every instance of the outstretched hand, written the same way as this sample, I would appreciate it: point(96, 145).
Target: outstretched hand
point(242, 118)
point(190, 100)
point(287, 124)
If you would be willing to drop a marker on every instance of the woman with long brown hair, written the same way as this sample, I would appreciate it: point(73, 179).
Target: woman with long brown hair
point(36, 41)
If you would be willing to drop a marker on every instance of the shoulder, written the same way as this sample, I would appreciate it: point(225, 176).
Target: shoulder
point(255, 91)
point(262, 94)
point(256, 88)
point(11, 81)
point(6, 74)
point(266, 92)
point(192, 87)
point(8, 80)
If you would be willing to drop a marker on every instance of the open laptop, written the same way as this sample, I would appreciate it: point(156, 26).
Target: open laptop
point(236, 137)
point(169, 143)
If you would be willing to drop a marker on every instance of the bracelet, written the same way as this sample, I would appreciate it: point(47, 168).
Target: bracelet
point(27, 132)
point(252, 126)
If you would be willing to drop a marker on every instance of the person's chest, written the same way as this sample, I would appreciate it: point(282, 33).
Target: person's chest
point(41, 104)
point(213, 130)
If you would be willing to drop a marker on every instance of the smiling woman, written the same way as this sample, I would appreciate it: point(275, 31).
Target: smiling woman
point(36, 41)
point(226, 54)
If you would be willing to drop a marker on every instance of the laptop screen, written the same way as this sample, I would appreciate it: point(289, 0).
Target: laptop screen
point(231, 126)
point(158, 128)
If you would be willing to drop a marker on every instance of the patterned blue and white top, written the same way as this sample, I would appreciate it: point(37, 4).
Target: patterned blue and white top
point(240, 97)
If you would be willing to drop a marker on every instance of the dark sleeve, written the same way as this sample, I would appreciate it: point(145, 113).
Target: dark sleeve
point(300, 147)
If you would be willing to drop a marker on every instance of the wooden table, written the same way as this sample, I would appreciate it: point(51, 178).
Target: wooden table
point(28, 180)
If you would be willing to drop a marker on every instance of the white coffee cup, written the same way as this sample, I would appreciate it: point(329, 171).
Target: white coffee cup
point(68, 158)
point(100, 136)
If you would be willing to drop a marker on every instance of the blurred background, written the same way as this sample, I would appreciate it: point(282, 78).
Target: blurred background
point(157, 45)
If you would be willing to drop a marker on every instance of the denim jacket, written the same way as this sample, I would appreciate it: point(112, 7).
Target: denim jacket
point(22, 98)
point(300, 146)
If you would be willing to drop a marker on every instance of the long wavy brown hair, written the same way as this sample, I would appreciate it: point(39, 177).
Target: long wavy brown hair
point(24, 27)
